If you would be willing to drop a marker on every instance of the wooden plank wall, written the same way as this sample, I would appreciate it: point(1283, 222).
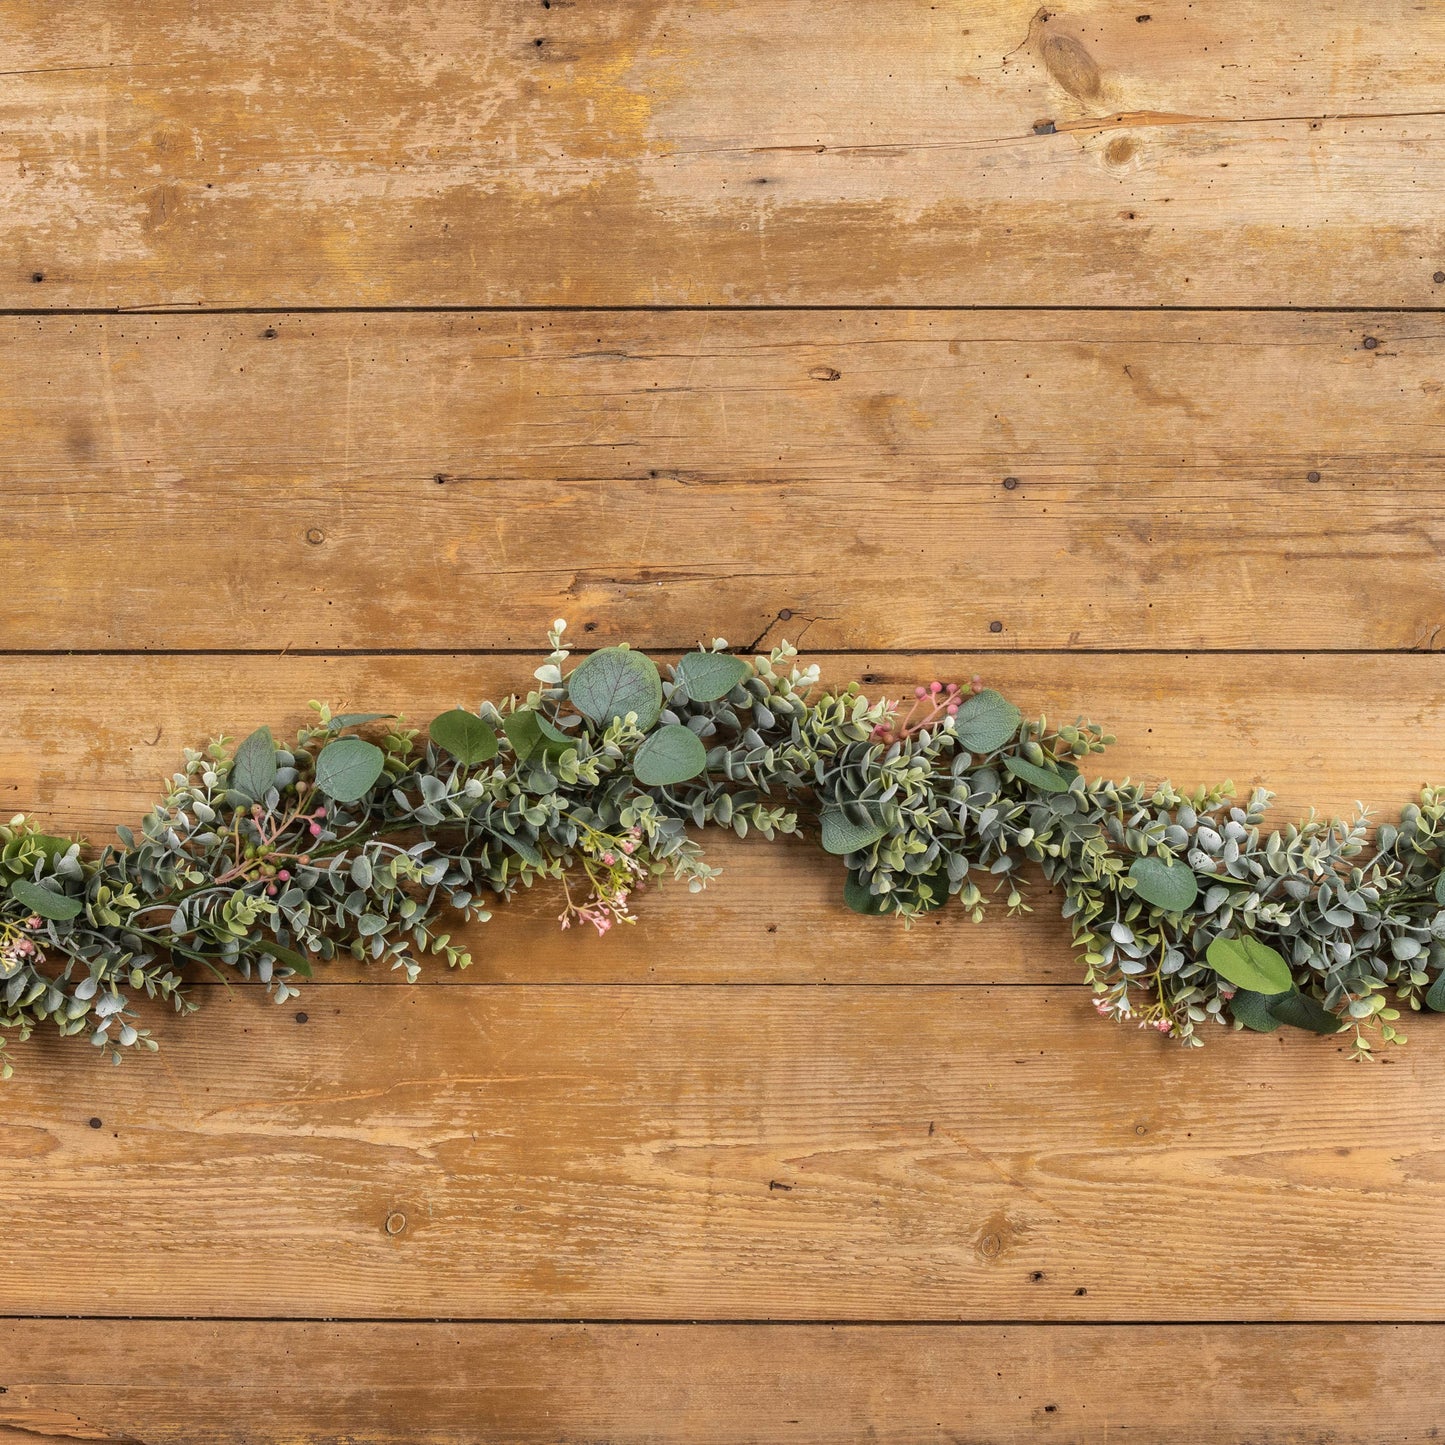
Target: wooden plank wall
point(1094, 348)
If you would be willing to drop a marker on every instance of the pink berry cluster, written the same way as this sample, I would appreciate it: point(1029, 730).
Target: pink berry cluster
point(614, 874)
point(938, 700)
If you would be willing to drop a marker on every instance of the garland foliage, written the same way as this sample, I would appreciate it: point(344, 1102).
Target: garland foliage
point(364, 836)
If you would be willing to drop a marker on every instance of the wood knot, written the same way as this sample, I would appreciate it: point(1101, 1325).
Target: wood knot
point(1072, 67)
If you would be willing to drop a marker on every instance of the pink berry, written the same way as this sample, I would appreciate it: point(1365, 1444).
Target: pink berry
point(935, 687)
point(920, 692)
point(953, 709)
point(314, 829)
point(284, 875)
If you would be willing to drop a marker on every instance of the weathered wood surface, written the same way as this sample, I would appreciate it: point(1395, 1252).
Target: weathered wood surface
point(91, 738)
point(702, 1153)
point(456, 1384)
point(1211, 481)
point(1241, 153)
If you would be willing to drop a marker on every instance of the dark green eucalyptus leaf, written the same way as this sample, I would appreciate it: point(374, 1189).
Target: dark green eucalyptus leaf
point(709, 676)
point(1252, 1010)
point(1300, 1011)
point(614, 682)
point(347, 768)
point(842, 834)
point(533, 738)
point(1044, 779)
point(1248, 963)
point(1435, 995)
point(1440, 890)
point(44, 901)
point(296, 962)
point(986, 722)
point(465, 736)
point(253, 771)
point(1170, 886)
point(672, 754)
point(857, 896)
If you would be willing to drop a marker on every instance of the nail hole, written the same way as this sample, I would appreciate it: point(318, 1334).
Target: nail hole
point(38, 276)
point(786, 615)
point(315, 536)
point(1009, 483)
point(1037, 1275)
point(1081, 1290)
point(825, 373)
point(1312, 476)
point(95, 1123)
point(440, 479)
point(995, 627)
point(1439, 278)
point(270, 333)
point(301, 1016)
point(1371, 343)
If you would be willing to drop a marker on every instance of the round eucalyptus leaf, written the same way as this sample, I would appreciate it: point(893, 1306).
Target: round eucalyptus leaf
point(1440, 890)
point(986, 721)
point(1248, 963)
point(253, 770)
point(672, 754)
point(42, 900)
point(842, 834)
point(465, 736)
point(614, 682)
point(347, 768)
point(1170, 886)
point(1435, 996)
point(708, 676)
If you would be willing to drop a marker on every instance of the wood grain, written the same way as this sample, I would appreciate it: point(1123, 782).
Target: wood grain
point(89, 740)
point(1238, 154)
point(898, 481)
point(454, 1384)
point(701, 1153)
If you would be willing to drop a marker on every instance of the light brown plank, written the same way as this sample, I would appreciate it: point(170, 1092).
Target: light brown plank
point(435, 1384)
point(88, 740)
point(1242, 153)
point(187, 482)
point(743, 1153)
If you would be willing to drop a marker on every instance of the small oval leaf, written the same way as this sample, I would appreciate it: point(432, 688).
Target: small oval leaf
point(842, 834)
point(986, 722)
point(347, 768)
point(465, 736)
point(42, 900)
point(1043, 779)
point(1248, 963)
point(253, 770)
point(1170, 886)
point(708, 676)
point(672, 754)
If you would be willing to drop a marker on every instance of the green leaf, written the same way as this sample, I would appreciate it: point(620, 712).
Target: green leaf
point(986, 722)
point(1044, 779)
point(843, 834)
point(1248, 963)
point(357, 719)
point(465, 736)
point(1252, 1010)
point(709, 676)
point(857, 896)
point(533, 738)
point(1300, 1011)
point(1435, 996)
point(1170, 886)
point(296, 962)
point(347, 768)
point(253, 771)
point(1440, 890)
point(39, 899)
point(672, 754)
point(614, 682)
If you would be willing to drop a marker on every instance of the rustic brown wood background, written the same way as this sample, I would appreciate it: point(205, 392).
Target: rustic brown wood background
point(1096, 348)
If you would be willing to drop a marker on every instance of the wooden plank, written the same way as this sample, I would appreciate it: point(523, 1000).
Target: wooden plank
point(743, 1153)
point(435, 1384)
point(1239, 154)
point(1182, 481)
point(88, 740)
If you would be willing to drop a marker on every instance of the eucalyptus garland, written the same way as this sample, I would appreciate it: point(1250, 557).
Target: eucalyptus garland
point(366, 837)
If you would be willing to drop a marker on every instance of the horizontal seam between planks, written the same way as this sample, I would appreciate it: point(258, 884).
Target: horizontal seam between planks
point(459, 308)
point(822, 650)
point(543, 1321)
